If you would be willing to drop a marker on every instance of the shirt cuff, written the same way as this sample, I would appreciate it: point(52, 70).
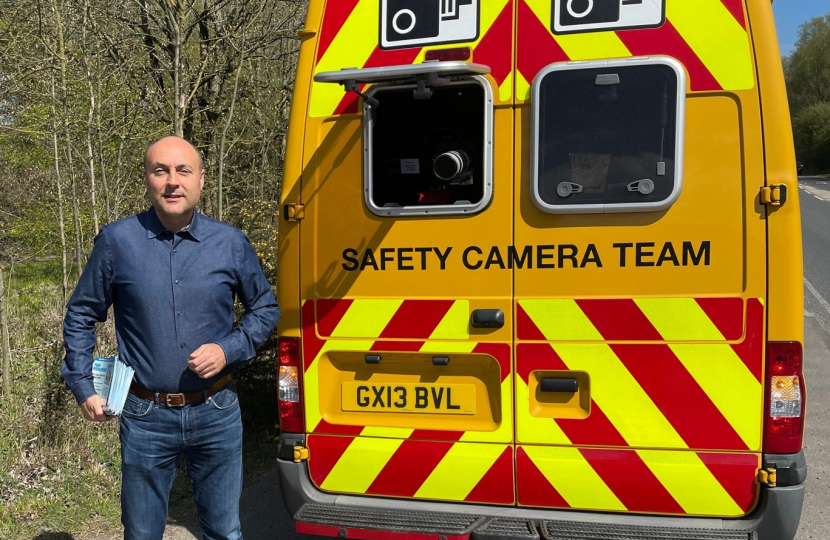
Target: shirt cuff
point(225, 345)
point(83, 390)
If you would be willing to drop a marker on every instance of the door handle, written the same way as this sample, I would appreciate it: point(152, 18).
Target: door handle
point(551, 384)
point(487, 318)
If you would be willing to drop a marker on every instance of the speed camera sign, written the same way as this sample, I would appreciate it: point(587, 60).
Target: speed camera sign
point(415, 23)
point(571, 16)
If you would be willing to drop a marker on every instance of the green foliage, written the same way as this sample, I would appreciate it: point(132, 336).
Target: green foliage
point(56, 471)
point(811, 127)
point(807, 72)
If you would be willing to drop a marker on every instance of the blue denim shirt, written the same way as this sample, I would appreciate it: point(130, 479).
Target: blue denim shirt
point(171, 293)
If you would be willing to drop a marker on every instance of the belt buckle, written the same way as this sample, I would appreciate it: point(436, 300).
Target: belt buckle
point(177, 397)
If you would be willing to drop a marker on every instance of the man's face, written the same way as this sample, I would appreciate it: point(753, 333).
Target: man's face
point(173, 177)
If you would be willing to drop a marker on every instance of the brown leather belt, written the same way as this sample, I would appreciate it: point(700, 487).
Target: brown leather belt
point(182, 398)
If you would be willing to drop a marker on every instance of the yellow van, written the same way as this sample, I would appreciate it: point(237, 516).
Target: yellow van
point(539, 273)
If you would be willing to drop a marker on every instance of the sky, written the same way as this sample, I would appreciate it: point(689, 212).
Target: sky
point(790, 14)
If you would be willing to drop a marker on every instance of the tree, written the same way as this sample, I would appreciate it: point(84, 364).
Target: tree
point(807, 71)
point(85, 85)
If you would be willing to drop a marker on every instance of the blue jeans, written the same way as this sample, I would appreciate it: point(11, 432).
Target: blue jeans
point(209, 435)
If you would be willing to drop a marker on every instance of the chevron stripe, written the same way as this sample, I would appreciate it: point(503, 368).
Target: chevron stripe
point(408, 468)
point(690, 482)
point(679, 319)
point(595, 430)
point(454, 325)
point(573, 478)
point(360, 464)
point(731, 387)
point(366, 318)
point(708, 36)
point(351, 46)
point(560, 320)
point(495, 46)
point(459, 472)
point(679, 397)
point(334, 16)
point(717, 38)
point(631, 481)
point(583, 46)
point(649, 481)
point(623, 400)
point(532, 487)
point(345, 42)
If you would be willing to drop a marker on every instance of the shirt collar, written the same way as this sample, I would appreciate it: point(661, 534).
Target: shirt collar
point(155, 228)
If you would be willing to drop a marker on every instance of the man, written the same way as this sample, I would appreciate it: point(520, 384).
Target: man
point(171, 275)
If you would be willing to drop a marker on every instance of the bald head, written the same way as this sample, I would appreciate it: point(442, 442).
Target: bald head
point(174, 142)
point(174, 178)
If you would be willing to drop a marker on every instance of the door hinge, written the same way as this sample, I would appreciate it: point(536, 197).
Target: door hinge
point(775, 195)
point(293, 212)
point(300, 454)
point(768, 476)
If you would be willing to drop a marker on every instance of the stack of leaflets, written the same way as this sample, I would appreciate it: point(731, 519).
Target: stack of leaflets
point(112, 379)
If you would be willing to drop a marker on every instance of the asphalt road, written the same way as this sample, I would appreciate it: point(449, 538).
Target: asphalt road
point(815, 222)
point(264, 517)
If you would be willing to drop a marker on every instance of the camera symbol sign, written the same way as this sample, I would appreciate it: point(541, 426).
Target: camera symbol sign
point(571, 16)
point(415, 23)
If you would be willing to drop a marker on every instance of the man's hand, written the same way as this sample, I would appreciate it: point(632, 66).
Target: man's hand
point(207, 361)
point(93, 409)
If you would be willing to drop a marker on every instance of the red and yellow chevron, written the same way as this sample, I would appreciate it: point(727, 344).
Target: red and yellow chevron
point(674, 424)
point(665, 373)
point(349, 38)
point(643, 481)
point(453, 471)
point(709, 37)
point(397, 325)
point(673, 382)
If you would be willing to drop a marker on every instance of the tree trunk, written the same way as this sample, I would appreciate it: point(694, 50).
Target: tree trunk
point(176, 17)
point(228, 125)
point(4, 330)
point(61, 226)
point(76, 220)
point(89, 119)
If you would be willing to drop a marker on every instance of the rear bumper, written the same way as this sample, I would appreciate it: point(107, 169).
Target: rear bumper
point(775, 518)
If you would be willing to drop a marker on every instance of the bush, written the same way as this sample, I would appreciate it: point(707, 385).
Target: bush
point(811, 127)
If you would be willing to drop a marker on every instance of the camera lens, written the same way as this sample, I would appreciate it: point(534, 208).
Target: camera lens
point(449, 165)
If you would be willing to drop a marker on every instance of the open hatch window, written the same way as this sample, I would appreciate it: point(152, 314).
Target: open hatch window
point(608, 136)
point(427, 136)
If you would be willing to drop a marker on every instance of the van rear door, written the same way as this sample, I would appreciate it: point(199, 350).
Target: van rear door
point(403, 396)
point(639, 330)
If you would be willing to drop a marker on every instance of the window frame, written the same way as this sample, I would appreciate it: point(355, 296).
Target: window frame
point(598, 208)
point(438, 209)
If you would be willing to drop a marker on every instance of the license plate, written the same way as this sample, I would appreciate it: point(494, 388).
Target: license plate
point(409, 398)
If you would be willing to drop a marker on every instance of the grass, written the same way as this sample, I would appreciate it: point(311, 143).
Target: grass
point(60, 475)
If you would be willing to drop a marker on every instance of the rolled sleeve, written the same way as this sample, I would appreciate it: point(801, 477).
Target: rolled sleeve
point(87, 306)
point(262, 313)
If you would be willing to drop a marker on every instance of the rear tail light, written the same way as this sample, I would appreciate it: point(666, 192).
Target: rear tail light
point(290, 386)
point(784, 418)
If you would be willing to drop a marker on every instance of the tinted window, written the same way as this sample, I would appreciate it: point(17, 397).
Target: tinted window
point(607, 135)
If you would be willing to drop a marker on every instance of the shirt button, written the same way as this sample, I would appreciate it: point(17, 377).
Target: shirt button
point(176, 281)
point(175, 250)
point(179, 313)
point(183, 344)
